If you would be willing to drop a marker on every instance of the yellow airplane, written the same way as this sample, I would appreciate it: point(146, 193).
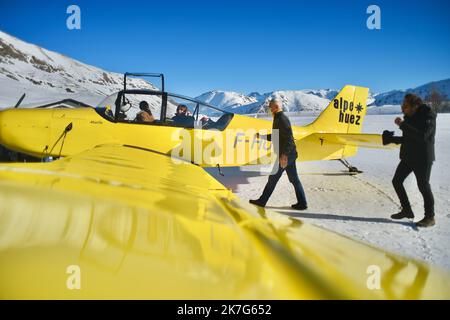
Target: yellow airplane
point(118, 218)
point(336, 133)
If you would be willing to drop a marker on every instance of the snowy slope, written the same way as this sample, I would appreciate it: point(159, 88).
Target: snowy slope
point(47, 75)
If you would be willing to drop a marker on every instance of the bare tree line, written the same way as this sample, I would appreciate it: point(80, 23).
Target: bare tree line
point(438, 101)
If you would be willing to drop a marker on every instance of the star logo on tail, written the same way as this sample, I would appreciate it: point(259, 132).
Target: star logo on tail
point(359, 108)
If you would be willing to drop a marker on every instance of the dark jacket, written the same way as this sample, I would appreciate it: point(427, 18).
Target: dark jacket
point(286, 142)
point(183, 121)
point(417, 142)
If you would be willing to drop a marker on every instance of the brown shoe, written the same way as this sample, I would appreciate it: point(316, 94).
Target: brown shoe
point(426, 222)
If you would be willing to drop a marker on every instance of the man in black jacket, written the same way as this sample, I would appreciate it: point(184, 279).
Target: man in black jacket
point(416, 155)
point(287, 157)
point(182, 117)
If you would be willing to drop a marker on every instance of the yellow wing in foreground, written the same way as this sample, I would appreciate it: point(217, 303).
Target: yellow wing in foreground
point(122, 222)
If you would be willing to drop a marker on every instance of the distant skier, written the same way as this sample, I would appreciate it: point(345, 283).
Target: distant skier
point(287, 157)
point(416, 155)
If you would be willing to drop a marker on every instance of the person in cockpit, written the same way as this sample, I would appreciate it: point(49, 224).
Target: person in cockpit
point(182, 117)
point(145, 115)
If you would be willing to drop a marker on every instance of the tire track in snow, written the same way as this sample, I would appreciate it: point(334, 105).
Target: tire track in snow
point(377, 189)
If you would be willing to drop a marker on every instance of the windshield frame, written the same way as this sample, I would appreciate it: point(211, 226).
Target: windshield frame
point(164, 99)
point(164, 95)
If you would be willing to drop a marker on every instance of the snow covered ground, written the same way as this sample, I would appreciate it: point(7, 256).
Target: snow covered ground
point(359, 206)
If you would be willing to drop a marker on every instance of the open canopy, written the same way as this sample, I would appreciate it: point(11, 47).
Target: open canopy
point(162, 108)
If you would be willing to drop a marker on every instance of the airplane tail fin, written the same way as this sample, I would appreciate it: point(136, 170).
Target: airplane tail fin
point(335, 134)
point(345, 113)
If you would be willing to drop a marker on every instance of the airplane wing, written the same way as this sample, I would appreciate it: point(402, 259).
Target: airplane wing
point(128, 223)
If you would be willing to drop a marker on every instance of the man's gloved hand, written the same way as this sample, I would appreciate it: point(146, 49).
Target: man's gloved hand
point(387, 137)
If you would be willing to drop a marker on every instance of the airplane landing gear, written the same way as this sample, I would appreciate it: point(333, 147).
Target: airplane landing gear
point(351, 169)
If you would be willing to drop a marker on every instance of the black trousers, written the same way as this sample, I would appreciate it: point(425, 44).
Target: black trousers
point(291, 171)
point(422, 171)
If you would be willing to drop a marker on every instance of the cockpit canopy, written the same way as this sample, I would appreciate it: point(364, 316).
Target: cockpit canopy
point(161, 108)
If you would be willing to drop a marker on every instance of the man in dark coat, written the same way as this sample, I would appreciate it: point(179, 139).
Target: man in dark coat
point(182, 117)
point(416, 155)
point(286, 159)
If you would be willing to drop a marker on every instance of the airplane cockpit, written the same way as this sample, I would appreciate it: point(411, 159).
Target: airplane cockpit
point(147, 107)
point(154, 107)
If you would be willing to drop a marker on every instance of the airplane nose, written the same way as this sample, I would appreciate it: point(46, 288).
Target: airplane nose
point(23, 130)
point(5, 128)
point(6, 125)
point(1, 126)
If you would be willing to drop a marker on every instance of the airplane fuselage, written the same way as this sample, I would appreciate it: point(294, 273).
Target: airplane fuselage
point(229, 140)
point(43, 133)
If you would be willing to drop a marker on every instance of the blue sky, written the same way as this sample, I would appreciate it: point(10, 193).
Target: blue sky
point(247, 45)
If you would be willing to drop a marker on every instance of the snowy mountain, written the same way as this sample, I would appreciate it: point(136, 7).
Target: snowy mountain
point(316, 100)
point(46, 75)
point(395, 97)
point(293, 100)
point(228, 99)
point(306, 100)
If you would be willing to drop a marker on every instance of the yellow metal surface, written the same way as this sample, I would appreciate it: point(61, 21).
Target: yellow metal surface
point(344, 115)
point(331, 146)
point(141, 227)
point(40, 132)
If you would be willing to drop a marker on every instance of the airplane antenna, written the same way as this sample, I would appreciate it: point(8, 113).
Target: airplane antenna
point(66, 130)
point(20, 101)
point(44, 153)
point(62, 136)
